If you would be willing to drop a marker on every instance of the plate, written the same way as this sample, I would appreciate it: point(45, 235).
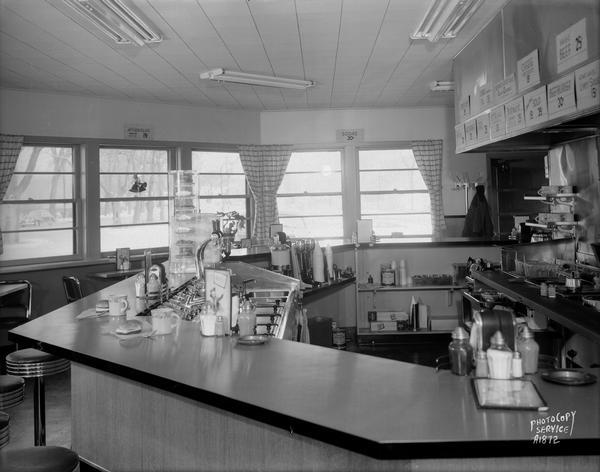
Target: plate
point(253, 339)
point(568, 377)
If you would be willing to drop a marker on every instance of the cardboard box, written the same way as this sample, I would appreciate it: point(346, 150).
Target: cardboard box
point(443, 323)
point(380, 326)
point(387, 316)
point(423, 315)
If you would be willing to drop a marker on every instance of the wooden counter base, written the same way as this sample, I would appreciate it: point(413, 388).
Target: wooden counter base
point(122, 425)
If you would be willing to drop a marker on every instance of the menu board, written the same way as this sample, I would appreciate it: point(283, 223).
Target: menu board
point(483, 128)
point(505, 89)
point(515, 115)
point(471, 132)
point(561, 96)
point(461, 139)
point(587, 83)
point(528, 70)
point(486, 96)
point(571, 46)
point(497, 122)
point(536, 106)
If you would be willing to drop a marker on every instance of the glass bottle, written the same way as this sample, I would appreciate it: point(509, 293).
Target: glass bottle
point(499, 358)
point(481, 364)
point(460, 352)
point(529, 349)
point(338, 335)
point(247, 317)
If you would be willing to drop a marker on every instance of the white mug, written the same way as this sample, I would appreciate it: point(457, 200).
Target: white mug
point(164, 320)
point(117, 305)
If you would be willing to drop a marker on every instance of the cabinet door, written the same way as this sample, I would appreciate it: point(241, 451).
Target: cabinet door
point(477, 67)
point(536, 24)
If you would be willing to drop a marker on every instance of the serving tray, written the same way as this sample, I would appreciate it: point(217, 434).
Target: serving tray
point(568, 377)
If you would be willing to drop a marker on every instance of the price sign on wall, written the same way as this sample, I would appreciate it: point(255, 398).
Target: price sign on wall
point(349, 135)
point(536, 106)
point(497, 122)
point(571, 46)
point(561, 96)
point(461, 138)
point(486, 96)
point(515, 115)
point(587, 82)
point(471, 132)
point(483, 128)
point(505, 89)
point(528, 69)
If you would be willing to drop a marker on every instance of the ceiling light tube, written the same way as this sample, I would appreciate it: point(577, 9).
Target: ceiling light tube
point(442, 86)
point(445, 18)
point(223, 75)
point(116, 20)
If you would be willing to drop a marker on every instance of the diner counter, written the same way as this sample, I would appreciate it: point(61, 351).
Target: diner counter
point(373, 407)
point(571, 314)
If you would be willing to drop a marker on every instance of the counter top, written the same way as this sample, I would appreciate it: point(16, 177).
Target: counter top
point(573, 315)
point(378, 407)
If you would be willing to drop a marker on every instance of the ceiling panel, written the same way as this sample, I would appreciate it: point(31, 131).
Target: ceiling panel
point(357, 51)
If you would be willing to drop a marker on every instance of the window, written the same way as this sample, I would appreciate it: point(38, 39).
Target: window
point(134, 210)
point(309, 199)
point(38, 216)
point(222, 184)
point(393, 193)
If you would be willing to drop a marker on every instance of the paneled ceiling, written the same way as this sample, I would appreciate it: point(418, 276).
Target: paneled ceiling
point(357, 51)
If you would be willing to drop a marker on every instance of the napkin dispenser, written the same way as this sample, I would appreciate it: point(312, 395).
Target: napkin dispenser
point(486, 322)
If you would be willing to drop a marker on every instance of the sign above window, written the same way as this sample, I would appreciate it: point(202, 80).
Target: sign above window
point(349, 135)
point(138, 132)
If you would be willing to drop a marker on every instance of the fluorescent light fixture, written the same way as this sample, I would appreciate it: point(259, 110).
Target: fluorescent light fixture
point(442, 86)
point(116, 20)
point(222, 75)
point(445, 18)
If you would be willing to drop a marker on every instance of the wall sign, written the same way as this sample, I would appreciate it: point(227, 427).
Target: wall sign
point(483, 128)
point(471, 132)
point(497, 122)
point(505, 89)
point(536, 106)
point(587, 83)
point(461, 138)
point(528, 70)
point(571, 46)
point(464, 107)
point(349, 135)
point(486, 96)
point(138, 132)
point(515, 115)
point(561, 96)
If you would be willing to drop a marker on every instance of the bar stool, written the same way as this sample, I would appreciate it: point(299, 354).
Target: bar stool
point(31, 363)
point(12, 390)
point(4, 437)
point(39, 459)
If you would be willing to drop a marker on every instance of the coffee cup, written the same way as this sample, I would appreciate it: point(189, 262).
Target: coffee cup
point(164, 320)
point(117, 305)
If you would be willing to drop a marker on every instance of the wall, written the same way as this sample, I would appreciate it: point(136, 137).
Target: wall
point(319, 127)
point(43, 114)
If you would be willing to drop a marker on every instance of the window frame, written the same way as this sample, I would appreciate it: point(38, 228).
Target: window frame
point(392, 146)
point(249, 199)
point(143, 145)
point(344, 156)
point(75, 201)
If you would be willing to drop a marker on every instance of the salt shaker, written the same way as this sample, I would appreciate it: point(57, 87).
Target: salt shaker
point(481, 364)
point(517, 365)
point(499, 358)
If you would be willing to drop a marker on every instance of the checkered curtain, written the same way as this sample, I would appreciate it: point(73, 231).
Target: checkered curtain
point(264, 166)
point(428, 155)
point(10, 148)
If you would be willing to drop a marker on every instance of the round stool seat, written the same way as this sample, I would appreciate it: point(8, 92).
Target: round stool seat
point(33, 363)
point(39, 459)
point(12, 390)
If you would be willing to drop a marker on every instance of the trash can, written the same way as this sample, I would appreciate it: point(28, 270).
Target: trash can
point(319, 329)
